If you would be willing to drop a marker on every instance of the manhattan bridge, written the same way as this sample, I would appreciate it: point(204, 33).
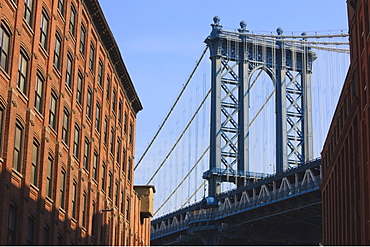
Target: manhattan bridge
point(236, 161)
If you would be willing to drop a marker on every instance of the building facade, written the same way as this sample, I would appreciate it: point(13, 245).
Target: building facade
point(67, 129)
point(346, 153)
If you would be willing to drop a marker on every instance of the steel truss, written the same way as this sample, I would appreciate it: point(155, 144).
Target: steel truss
point(235, 57)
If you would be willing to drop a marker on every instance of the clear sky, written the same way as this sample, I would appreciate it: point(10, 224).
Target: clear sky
point(161, 40)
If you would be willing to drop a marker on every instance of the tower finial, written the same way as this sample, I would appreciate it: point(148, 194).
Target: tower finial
point(216, 20)
point(279, 31)
point(243, 25)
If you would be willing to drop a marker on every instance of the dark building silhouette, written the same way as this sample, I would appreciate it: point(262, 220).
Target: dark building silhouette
point(67, 129)
point(346, 153)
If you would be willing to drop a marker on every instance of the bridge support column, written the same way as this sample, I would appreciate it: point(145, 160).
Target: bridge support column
point(280, 104)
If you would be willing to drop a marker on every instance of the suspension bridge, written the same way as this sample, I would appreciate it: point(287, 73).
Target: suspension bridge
point(237, 158)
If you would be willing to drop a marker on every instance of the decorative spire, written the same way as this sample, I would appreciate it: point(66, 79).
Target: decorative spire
point(279, 31)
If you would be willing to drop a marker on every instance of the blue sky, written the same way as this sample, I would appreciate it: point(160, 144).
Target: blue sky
point(161, 40)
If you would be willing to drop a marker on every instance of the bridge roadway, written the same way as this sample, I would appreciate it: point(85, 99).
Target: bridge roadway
point(282, 209)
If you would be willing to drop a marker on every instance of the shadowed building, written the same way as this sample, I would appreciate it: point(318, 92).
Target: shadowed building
point(346, 153)
point(67, 129)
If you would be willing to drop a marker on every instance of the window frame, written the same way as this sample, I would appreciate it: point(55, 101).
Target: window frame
point(18, 146)
point(28, 12)
point(65, 126)
point(53, 110)
point(39, 93)
point(35, 162)
point(57, 51)
point(22, 82)
point(44, 29)
point(5, 40)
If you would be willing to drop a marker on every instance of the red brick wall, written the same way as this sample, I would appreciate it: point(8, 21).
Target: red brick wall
point(15, 186)
point(345, 186)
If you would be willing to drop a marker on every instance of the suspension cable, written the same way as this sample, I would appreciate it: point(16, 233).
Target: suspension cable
point(181, 135)
point(182, 181)
point(172, 108)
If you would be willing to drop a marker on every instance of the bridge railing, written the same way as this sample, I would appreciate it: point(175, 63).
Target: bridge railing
point(272, 190)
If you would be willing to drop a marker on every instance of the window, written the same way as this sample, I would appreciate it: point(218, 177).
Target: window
point(30, 229)
point(116, 194)
point(92, 56)
point(23, 72)
point(93, 223)
point(72, 21)
point(124, 157)
point(105, 130)
point(35, 162)
point(79, 88)
point(17, 156)
point(95, 166)
point(57, 50)
point(86, 154)
point(103, 177)
point(69, 70)
point(76, 142)
point(1, 127)
point(53, 110)
point(5, 48)
point(28, 7)
point(122, 201)
point(129, 168)
point(74, 197)
point(49, 178)
point(126, 123)
point(60, 240)
point(84, 202)
point(88, 103)
point(120, 111)
point(110, 185)
point(127, 209)
point(62, 188)
point(118, 156)
point(112, 141)
point(65, 127)
point(108, 89)
point(131, 133)
point(12, 223)
point(97, 117)
point(82, 39)
point(61, 6)
point(44, 27)
point(114, 103)
point(46, 234)
point(39, 93)
point(100, 73)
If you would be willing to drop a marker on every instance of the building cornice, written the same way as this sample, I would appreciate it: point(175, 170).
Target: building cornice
point(113, 51)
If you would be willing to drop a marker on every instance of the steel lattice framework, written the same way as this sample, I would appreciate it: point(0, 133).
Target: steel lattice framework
point(235, 57)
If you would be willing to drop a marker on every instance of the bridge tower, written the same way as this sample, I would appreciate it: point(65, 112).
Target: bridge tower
point(235, 57)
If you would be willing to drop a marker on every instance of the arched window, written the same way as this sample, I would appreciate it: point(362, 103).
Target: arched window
point(65, 126)
point(57, 51)
point(12, 223)
point(53, 110)
point(69, 76)
point(18, 142)
point(49, 177)
point(4, 47)
point(23, 72)
point(30, 229)
point(35, 161)
point(44, 29)
point(28, 11)
point(39, 93)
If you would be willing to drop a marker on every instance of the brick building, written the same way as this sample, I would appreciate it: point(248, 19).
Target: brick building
point(67, 128)
point(346, 153)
